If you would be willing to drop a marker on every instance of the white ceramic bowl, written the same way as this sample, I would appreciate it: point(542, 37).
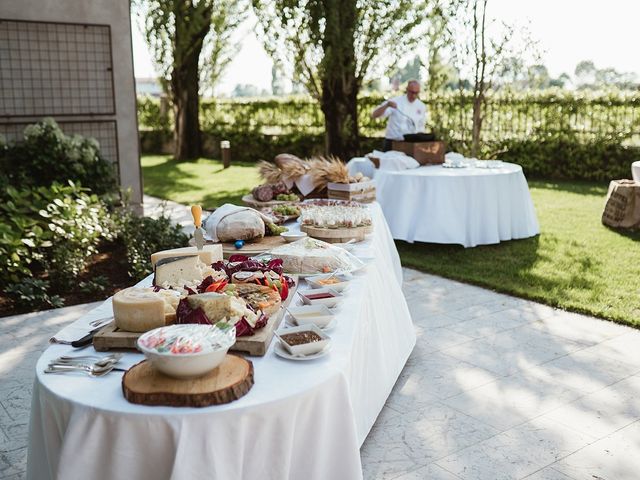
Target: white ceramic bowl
point(290, 237)
point(307, 297)
point(318, 315)
point(343, 281)
point(305, 348)
point(214, 344)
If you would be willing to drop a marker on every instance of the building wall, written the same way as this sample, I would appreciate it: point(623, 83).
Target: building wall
point(72, 60)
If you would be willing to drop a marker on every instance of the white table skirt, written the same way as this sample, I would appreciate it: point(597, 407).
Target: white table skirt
point(301, 420)
point(635, 171)
point(466, 206)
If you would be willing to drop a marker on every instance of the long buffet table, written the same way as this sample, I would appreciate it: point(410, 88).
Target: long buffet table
point(304, 419)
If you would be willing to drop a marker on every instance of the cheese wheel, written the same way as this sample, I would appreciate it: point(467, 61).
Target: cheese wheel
point(141, 309)
point(208, 254)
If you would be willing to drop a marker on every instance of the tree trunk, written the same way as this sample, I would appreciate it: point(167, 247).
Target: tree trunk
point(340, 110)
point(340, 84)
point(193, 22)
point(476, 128)
point(186, 100)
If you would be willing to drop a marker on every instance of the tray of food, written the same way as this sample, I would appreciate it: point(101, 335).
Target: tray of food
point(335, 221)
point(310, 256)
point(249, 294)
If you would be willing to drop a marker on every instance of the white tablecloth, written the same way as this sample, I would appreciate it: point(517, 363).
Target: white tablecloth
point(301, 420)
point(468, 206)
point(635, 171)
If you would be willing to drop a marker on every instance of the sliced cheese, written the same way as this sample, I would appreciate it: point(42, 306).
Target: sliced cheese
point(208, 254)
point(141, 309)
point(217, 307)
point(179, 271)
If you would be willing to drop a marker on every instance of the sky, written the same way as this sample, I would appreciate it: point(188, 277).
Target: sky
point(568, 31)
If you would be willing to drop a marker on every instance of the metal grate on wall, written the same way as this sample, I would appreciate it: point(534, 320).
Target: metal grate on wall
point(103, 131)
point(55, 69)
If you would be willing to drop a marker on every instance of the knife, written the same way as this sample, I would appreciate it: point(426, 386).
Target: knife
point(198, 234)
point(87, 339)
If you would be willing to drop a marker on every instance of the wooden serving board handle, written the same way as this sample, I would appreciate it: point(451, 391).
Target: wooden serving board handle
point(231, 380)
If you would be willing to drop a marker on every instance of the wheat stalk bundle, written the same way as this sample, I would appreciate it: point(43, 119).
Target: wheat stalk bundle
point(328, 169)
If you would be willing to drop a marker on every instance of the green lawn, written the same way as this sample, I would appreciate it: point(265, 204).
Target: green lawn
point(576, 263)
point(203, 181)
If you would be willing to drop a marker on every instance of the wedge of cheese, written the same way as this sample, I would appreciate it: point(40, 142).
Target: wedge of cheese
point(176, 272)
point(208, 254)
point(141, 309)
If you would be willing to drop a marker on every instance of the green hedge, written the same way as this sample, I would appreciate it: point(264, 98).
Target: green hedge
point(553, 134)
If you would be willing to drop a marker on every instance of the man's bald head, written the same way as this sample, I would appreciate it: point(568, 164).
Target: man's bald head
point(413, 90)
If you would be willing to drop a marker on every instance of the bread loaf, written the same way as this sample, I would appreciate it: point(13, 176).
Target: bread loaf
point(242, 225)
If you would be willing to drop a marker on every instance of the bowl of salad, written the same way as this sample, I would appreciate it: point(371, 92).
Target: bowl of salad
point(186, 351)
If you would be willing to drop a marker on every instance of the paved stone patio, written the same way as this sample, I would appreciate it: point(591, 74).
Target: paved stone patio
point(496, 388)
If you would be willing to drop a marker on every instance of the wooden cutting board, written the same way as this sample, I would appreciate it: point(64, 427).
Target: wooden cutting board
point(250, 248)
point(250, 201)
point(112, 338)
point(231, 380)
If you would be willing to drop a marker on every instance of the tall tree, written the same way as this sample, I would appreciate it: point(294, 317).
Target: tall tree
point(331, 45)
point(483, 53)
point(186, 35)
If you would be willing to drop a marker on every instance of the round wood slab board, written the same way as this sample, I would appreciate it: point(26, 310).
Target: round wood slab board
point(145, 385)
point(336, 235)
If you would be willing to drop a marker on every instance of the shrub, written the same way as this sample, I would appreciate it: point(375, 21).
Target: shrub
point(52, 228)
point(32, 293)
point(47, 155)
point(143, 236)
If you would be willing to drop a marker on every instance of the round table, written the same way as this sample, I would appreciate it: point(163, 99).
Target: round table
point(304, 419)
point(467, 206)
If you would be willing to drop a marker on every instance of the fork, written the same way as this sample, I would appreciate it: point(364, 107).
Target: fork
point(92, 371)
point(93, 358)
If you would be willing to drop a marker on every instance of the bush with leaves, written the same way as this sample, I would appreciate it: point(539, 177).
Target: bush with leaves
point(32, 293)
point(47, 155)
point(54, 229)
point(143, 236)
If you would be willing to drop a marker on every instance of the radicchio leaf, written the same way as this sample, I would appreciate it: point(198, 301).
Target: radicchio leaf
point(204, 284)
point(186, 314)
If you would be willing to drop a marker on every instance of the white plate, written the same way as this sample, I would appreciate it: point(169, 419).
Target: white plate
point(282, 352)
point(327, 328)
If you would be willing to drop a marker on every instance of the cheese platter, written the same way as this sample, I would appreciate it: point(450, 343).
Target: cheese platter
point(247, 293)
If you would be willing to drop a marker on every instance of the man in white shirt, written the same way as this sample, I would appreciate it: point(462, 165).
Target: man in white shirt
point(406, 114)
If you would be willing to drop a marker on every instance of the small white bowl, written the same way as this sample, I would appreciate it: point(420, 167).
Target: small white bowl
point(215, 341)
point(336, 297)
point(290, 237)
point(343, 281)
point(318, 315)
point(305, 348)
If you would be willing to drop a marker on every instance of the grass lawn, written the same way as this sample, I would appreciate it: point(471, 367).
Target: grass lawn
point(576, 263)
point(203, 181)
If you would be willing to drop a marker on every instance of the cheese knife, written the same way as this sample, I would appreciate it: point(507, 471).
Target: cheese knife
point(198, 234)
